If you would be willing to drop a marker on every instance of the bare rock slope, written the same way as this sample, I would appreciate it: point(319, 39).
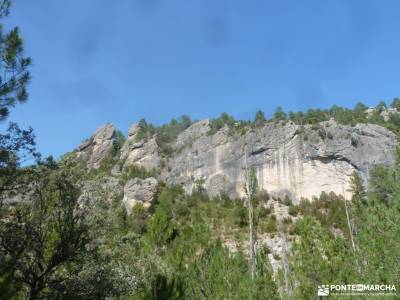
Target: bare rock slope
point(301, 161)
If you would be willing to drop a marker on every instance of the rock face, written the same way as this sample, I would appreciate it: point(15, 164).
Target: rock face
point(139, 191)
point(300, 161)
point(143, 153)
point(289, 159)
point(98, 146)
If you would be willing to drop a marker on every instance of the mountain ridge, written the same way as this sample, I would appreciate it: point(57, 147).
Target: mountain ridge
point(300, 161)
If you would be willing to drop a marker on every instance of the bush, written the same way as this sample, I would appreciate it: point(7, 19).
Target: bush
point(287, 201)
point(240, 216)
point(264, 212)
point(219, 123)
point(271, 225)
point(137, 220)
point(293, 210)
point(135, 171)
point(160, 229)
point(165, 134)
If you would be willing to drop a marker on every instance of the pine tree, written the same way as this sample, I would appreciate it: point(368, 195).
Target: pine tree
point(357, 188)
point(279, 114)
point(259, 119)
point(13, 66)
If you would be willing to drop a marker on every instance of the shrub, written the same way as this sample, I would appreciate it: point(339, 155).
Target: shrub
point(160, 229)
point(293, 210)
point(271, 225)
point(240, 216)
point(264, 212)
point(135, 171)
point(287, 201)
point(165, 134)
point(287, 220)
point(219, 123)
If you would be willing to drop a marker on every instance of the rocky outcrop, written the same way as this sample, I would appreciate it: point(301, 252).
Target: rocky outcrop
point(140, 152)
point(95, 149)
point(300, 161)
point(106, 189)
point(288, 158)
point(139, 191)
point(192, 133)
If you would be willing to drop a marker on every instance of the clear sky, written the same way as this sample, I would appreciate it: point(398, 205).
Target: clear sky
point(98, 61)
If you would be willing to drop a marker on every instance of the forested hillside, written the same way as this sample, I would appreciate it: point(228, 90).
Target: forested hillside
point(69, 235)
point(270, 208)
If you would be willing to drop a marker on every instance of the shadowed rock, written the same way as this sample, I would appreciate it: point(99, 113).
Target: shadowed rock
point(139, 191)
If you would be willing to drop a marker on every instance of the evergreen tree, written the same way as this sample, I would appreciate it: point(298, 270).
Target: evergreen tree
point(395, 103)
point(13, 66)
point(259, 119)
point(381, 106)
point(279, 114)
point(319, 258)
point(357, 188)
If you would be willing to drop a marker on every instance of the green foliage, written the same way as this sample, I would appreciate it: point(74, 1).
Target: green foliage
point(137, 221)
point(319, 256)
point(328, 209)
point(222, 121)
point(251, 186)
point(166, 134)
point(46, 235)
point(357, 188)
point(177, 251)
point(14, 66)
point(279, 114)
point(395, 103)
point(378, 240)
point(217, 274)
point(241, 216)
point(383, 183)
point(271, 225)
point(135, 171)
point(16, 146)
point(163, 288)
point(260, 119)
point(293, 210)
point(318, 259)
point(381, 106)
point(263, 212)
point(160, 229)
point(287, 201)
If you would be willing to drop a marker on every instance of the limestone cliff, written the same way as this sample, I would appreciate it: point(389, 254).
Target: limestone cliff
point(301, 161)
point(95, 149)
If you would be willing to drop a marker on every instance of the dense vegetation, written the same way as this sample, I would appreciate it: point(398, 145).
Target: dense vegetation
point(165, 134)
point(382, 114)
point(60, 244)
point(63, 240)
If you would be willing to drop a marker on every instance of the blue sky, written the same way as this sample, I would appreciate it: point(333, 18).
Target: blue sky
point(118, 61)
